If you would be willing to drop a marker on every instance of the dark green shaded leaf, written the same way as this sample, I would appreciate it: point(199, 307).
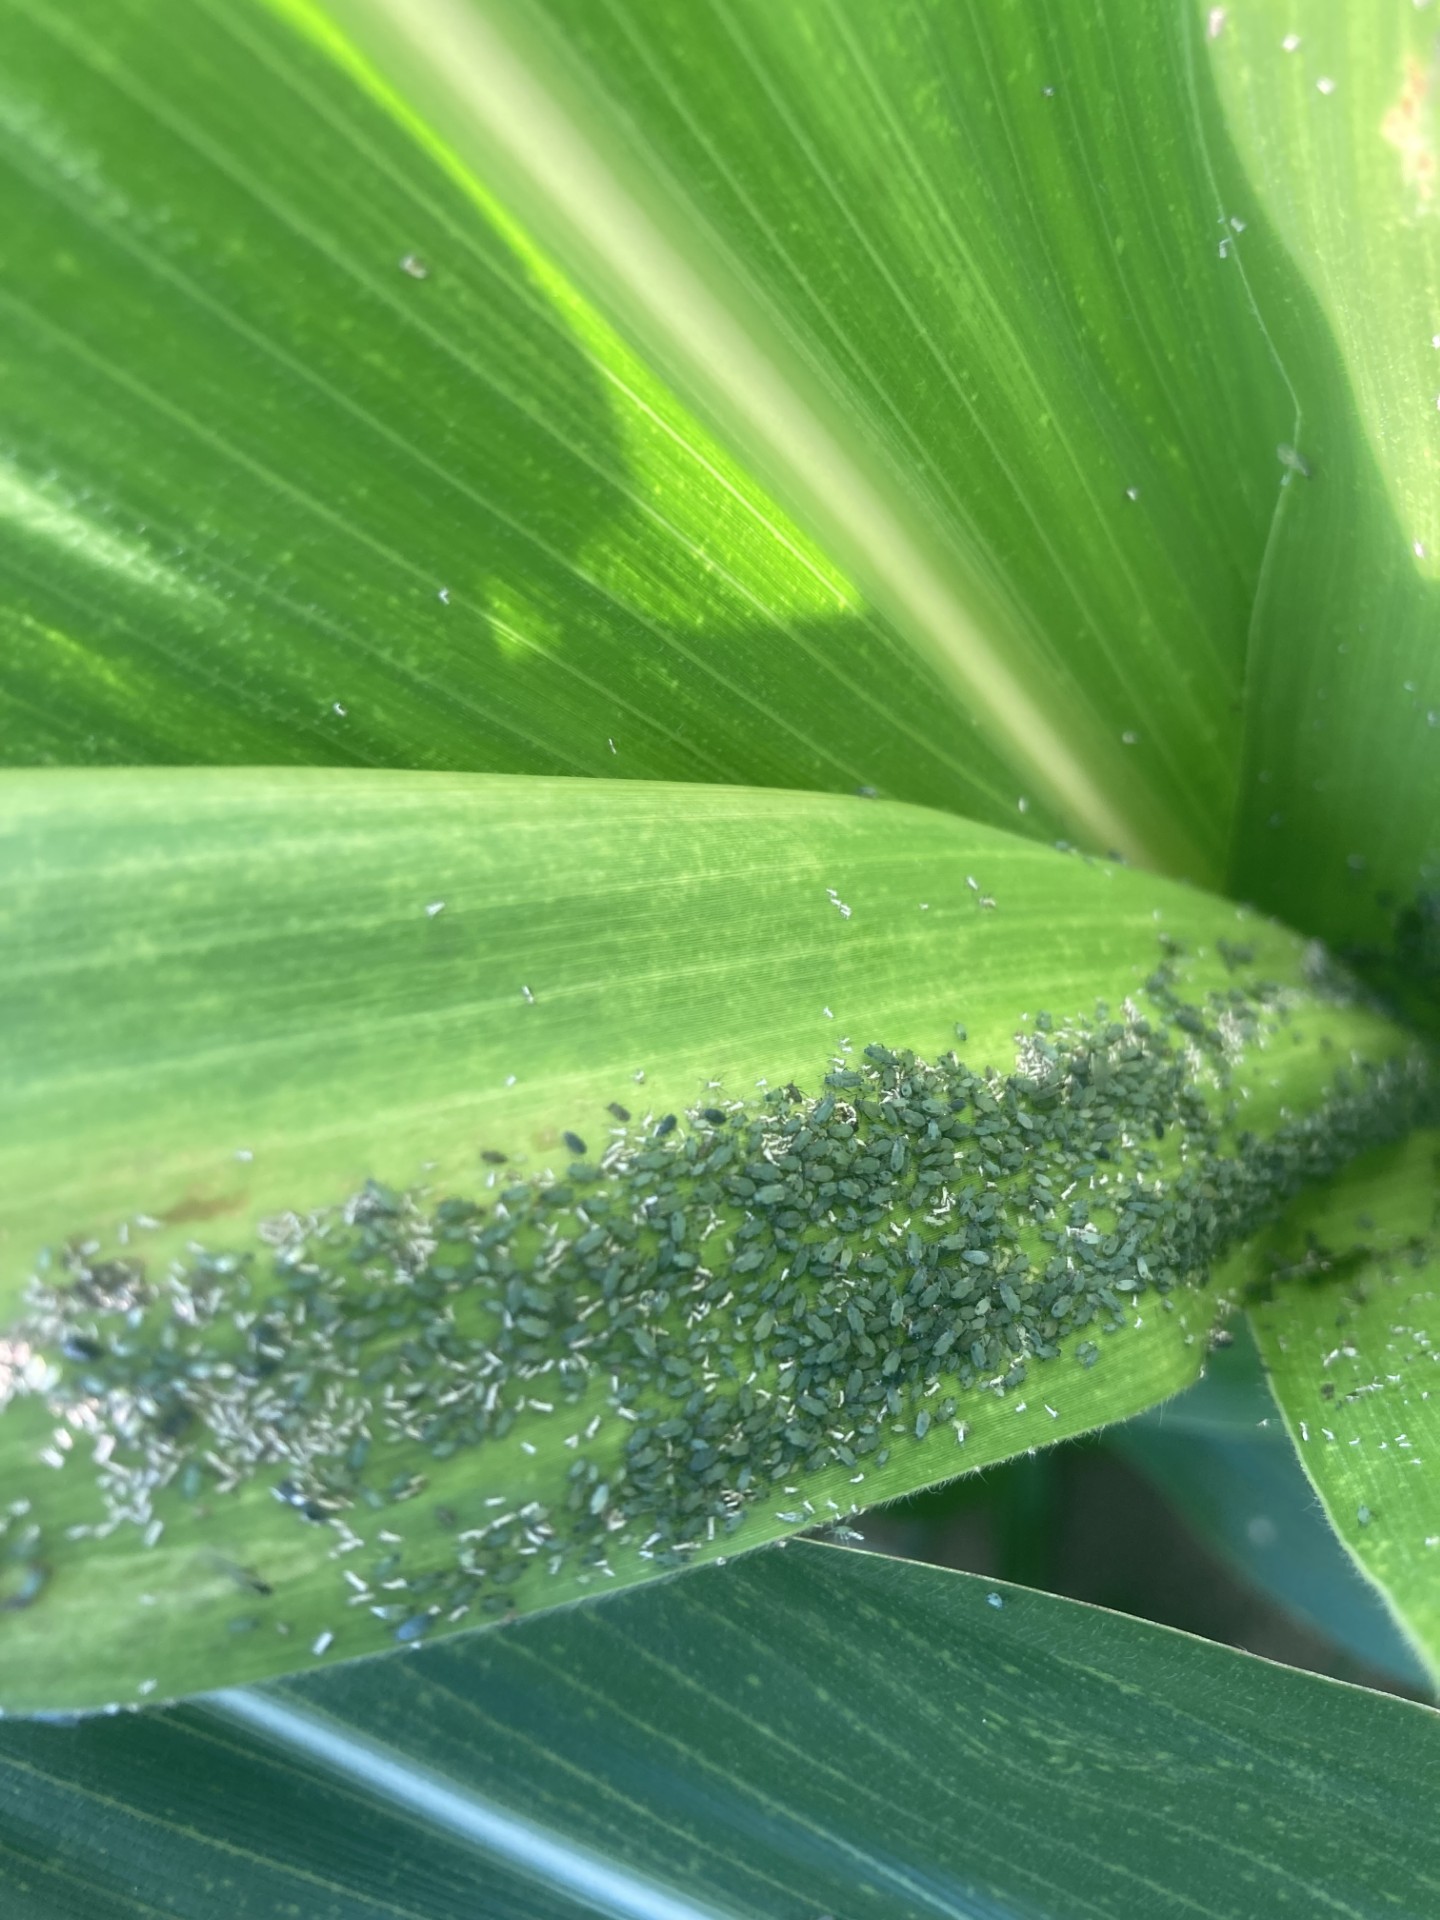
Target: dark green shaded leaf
point(805, 1733)
point(1350, 1334)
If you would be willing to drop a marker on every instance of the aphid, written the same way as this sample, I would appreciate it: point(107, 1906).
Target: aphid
point(492, 1157)
point(765, 1302)
point(242, 1576)
point(622, 1114)
point(574, 1143)
point(21, 1585)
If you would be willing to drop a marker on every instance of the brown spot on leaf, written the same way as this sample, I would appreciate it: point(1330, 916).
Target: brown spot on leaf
point(196, 1206)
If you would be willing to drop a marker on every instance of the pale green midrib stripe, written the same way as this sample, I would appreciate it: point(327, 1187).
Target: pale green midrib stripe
point(266, 344)
point(666, 1828)
point(458, 1813)
point(480, 71)
point(998, 322)
point(544, 316)
point(987, 575)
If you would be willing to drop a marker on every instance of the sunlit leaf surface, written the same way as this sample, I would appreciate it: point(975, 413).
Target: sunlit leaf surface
point(961, 278)
point(310, 456)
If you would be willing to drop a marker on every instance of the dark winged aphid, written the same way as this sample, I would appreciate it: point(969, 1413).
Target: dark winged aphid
point(667, 1125)
point(575, 1144)
point(716, 1116)
point(622, 1114)
point(242, 1576)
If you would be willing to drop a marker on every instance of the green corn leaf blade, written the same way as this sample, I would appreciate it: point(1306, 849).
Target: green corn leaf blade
point(984, 258)
point(1334, 119)
point(810, 1732)
point(312, 457)
point(1220, 1454)
point(1350, 1333)
point(773, 1278)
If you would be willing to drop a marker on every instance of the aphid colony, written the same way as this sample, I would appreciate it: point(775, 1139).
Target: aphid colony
point(708, 1310)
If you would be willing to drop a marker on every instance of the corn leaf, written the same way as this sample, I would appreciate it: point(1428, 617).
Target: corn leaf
point(810, 1732)
point(543, 1184)
point(1333, 116)
point(312, 457)
point(1350, 1331)
point(958, 280)
point(1221, 1455)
